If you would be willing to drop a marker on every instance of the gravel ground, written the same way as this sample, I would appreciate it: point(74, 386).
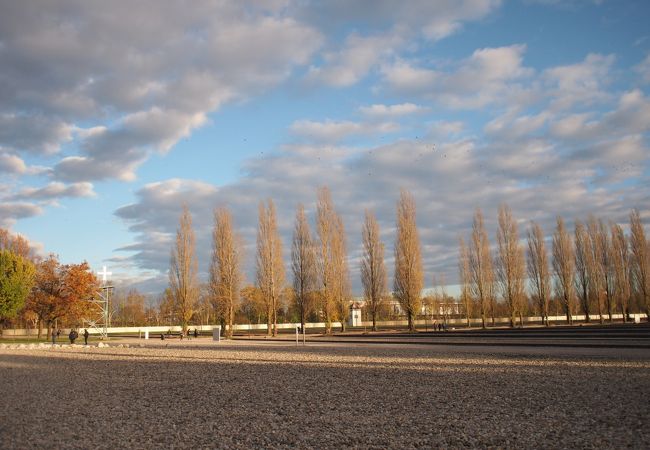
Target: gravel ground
point(245, 395)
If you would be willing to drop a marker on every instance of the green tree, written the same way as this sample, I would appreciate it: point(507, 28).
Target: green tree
point(16, 280)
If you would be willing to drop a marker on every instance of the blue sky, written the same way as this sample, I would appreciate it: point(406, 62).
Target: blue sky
point(113, 114)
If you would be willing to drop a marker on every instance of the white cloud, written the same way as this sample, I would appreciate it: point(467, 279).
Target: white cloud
point(564, 3)
point(350, 64)
point(11, 164)
point(117, 152)
point(56, 190)
point(643, 69)
point(631, 116)
point(10, 212)
point(404, 77)
point(33, 133)
point(117, 83)
point(489, 75)
point(571, 125)
point(334, 131)
point(581, 83)
point(510, 125)
point(384, 111)
point(538, 176)
point(346, 64)
point(444, 129)
point(433, 19)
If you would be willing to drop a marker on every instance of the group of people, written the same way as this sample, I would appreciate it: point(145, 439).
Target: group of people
point(189, 333)
point(73, 335)
point(440, 326)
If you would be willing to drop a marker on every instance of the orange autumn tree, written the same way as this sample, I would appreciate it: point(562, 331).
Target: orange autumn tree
point(62, 292)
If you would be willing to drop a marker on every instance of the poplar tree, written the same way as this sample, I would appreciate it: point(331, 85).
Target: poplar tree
point(510, 264)
point(183, 271)
point(640, 260)
point(480, 265)
point(621, 264)
point(303, 265)
point(602, 270)
point(225, 269)
point(342, 291)
point(564, 268)
point(373, 270)
point(609, 270)
point(408, 280)
point(538, 269)
point(270, 268)
point(465, 279)
point(328, 229)
point(583, 262)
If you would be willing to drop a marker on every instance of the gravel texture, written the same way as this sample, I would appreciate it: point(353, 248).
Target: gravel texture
point(243, 395)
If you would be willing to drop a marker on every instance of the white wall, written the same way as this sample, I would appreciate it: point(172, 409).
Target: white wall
point(207, 329)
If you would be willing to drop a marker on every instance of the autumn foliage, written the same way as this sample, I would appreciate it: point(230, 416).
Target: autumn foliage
point(62, 291)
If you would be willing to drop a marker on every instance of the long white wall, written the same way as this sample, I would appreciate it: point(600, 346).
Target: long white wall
point(262, 326)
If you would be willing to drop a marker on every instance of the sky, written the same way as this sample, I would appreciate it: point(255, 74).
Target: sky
point(115, 114)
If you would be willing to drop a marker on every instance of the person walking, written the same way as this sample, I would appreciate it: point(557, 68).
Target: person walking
point(55, 333)
point(86, 334)
point(73, 335)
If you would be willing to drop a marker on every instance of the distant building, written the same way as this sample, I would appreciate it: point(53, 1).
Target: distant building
point(449, 308)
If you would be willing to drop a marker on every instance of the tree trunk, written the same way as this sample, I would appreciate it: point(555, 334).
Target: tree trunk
point(600, 310)
point(275, 322)
point(585, 305)
point(302, 318)
point(609, 309)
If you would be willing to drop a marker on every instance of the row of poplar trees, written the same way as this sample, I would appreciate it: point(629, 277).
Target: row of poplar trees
point(597, 268)
point(319, 265)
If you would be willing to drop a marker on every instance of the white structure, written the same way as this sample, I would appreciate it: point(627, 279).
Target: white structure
point(101, 322)
point(216, 333)
point(354, 320)
point(105, 274)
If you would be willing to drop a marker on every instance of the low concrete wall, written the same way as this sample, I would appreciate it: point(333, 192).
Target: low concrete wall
point(290, 326)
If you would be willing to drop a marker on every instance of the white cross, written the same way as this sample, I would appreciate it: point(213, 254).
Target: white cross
point(104, 274)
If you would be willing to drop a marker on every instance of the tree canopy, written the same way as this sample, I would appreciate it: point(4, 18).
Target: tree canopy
point(62, 290)
point(16, 280)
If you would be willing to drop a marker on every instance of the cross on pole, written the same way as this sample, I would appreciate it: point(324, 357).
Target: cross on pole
point(104, 274)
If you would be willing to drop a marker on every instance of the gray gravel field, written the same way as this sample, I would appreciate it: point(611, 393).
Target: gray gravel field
point(244, 395)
